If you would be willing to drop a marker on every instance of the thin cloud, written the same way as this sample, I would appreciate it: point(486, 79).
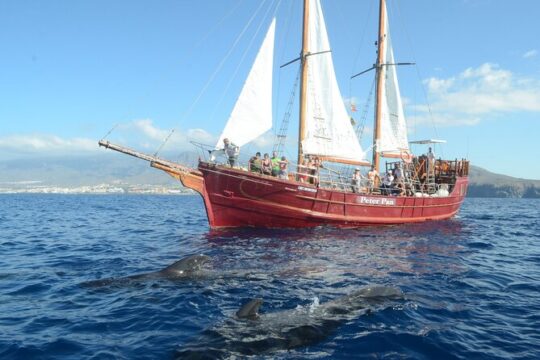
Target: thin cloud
point(148, 129)
point(43, 143)
point(477, 94)
point(143, 132)
point(137, 134)
point(530, 54)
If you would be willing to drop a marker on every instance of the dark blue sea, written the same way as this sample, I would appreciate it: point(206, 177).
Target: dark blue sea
point(471, 285)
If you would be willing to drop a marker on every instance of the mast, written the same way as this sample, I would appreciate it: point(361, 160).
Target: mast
point(303, 83)
point(380, 70)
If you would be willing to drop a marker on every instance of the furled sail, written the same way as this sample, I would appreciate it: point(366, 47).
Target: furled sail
point(329, 132)
point(393, 139)
point(252, 113)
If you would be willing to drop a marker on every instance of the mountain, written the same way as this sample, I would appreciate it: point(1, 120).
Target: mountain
point(115, 169)
point(483, 183)
point(77, 171)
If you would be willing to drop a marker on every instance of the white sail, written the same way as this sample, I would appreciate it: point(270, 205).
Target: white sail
point(393, 139)
point(252, 113)
point(329, 132)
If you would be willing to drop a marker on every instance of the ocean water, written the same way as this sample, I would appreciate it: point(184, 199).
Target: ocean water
point(471, 284)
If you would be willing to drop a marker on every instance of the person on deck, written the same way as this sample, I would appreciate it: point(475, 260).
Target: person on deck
point(387, 181)
point(398, 172)
point(356, 180)
point(310, 169)
point(283, 171)
point(232, 151)
point(303, 171)
point(266, 165)
point(317, 164)
point(430, 161)
point(373, 178)
point(399, 179)
point(275, 163)
point(255, 163)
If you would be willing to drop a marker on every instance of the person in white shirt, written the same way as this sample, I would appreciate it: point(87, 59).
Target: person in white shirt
point(430, 161)
point(356, 179)
point(387, 181)
point(232, 151)
point(399, 179)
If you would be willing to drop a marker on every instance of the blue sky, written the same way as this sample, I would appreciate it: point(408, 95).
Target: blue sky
point(70, 70)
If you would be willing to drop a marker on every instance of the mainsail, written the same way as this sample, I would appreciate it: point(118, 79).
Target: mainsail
point(329, 132)
point(393, 135)
point(252, 113)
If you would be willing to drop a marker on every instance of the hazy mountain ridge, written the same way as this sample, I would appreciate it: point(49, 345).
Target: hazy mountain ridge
point(118, 169)
point(106, 168)
point(483, 183)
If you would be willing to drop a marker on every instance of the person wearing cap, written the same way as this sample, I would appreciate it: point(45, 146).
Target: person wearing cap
point(356, 179)
point(232, 151)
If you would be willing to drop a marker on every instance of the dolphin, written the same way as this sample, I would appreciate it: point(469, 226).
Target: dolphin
point(188, 267)
point(252, 333)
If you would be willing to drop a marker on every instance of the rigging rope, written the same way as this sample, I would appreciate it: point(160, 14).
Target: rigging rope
point(188, 55)
point(244, 55)
point(214, 74)
point(222, 62)
point(110, 131)
point(418, 72)
point(363, 117)
point(281, 136)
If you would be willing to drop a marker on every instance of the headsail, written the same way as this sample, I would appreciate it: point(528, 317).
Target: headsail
point(252, 113)
point(329, 132)
point(393, 135)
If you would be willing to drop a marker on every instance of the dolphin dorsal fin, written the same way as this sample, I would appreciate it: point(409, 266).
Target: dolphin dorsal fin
point(250, 310)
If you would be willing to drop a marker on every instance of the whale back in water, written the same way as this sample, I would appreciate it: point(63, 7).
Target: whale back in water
point(252, 333)
point(186, 265)
point(184, 268)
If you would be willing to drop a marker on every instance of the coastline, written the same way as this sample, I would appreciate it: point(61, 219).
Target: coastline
point(102, 189)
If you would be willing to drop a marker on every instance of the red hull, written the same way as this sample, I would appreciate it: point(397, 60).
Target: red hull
point(236, 198)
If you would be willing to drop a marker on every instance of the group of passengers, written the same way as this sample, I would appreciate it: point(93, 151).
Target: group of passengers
point(392, 182)
point(274, 166)
point(308, 170)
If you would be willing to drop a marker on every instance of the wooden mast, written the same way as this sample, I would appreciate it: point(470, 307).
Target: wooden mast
point(380, 73)
point(303, 83)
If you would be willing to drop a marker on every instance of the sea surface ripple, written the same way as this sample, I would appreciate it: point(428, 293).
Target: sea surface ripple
point(471, 284)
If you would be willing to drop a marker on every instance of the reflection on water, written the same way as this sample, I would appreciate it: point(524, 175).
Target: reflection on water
point(332, 254)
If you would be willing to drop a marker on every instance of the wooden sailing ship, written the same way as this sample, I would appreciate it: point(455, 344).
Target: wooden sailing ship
point(233, 197)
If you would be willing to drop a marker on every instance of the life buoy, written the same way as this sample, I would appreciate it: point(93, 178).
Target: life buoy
point(405, 156)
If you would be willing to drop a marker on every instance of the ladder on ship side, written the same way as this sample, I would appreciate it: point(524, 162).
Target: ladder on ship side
point(430, 182)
